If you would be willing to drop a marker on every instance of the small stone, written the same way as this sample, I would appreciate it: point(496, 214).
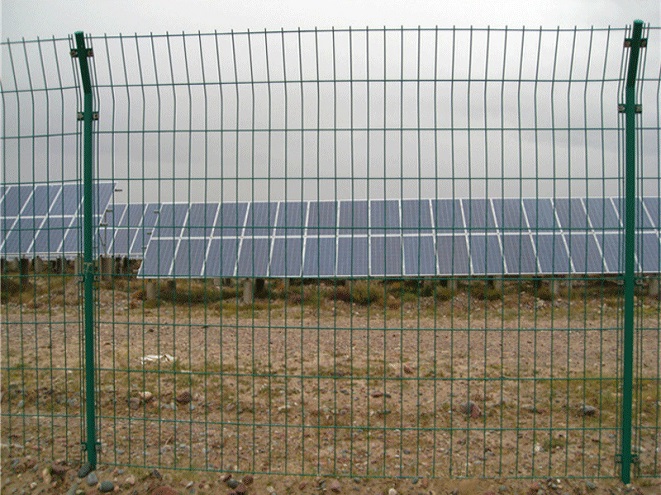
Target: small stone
point(46, 476)
point(146, 396)
point(590, 485)
point(471, 409)
point(156, 474)
point(534, 488)
point(241, 489)
point(130, 481)
point(73, 489)
point(415, 481)
point(84, 470)
point(106, 486)
point(232, 483)
point(92, 479)
point(247, 480)
point(189, 484)
point(335, 486)
point(134, 403)
point(587, 410)
point(33, 485)
point(270, 489)
point(57, 469)
point(392, 491)
point(302, 485)
point(184, 397)
point(225, 477)
point(502, 488)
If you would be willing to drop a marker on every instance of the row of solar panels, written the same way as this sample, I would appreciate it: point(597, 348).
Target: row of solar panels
point(397, 256)
point(45, 220)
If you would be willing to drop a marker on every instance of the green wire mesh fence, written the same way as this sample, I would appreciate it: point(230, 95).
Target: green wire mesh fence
point(363, 252)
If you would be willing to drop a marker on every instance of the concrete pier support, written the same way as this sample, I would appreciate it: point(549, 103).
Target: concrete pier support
point(106, 266)
point(39, 265)
point(654, 287)
point(247, 291)
point(151, 290)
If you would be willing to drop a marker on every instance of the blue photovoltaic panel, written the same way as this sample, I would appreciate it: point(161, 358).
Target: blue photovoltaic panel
point(642, 220)
point(585, 254)
point(41, 200)
point(291, 219)
point(190, 258)
point(519, 254)
point(540, 213)
point(171, 220)
point(132, 216)
point(230, 220)
point(386, 256)
point(352, 257)
point(71, 244)
point(384, 217)
point(447, 216)
point(261, 219)
point(552, 253)
point(486, 255)
point(416, 216)
point(319, 257)
point(151, 216)
point(419, 255)
point(322, 219)
point(478, 214)
point(653, 206)
point(50, 235)
point(103, 193)
point(158, 258)
point(15, 199)
point(21, 237)
point(254, 257)
point(287, 257)
point(452, 253)
point(68, 201)
point(114, 214)
point(647, 252)
point(123, 241)
point(571, 214)
point(201, 218)
point(509, 214)
point(221, 258)
point(602, 214)
point(612, 251)
point(140, 243)
point(353, 217)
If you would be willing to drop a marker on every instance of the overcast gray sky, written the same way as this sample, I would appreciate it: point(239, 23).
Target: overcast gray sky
point(383, 155)
point(31, 18)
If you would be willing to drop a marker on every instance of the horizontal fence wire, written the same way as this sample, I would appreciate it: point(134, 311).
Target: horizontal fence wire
point(351, 252)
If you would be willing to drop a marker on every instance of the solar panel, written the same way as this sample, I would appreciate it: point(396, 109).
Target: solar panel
point(552, 254)
point(190, 258)
point(68, 201)
point(158, 258)
point(486, 256)
point(319, 257)
point(41, 200)
point(254, 257)
point(384, 217)
point(353, 217)
point(509, 214)
point(287, 257)
point(291, 219)
point(122, 242)
point(230, 220)
point(416, 216)
point(132, 216)
point(452, 251)
point(653, 207)
point(352, 257)
point(222, 258)
point(20, 238)
point(50, 236)
point(327, 238)
point(448, 216)
point(171, 219)
point(419, 255)
point(386, 255)
point(15, 199)
point(201, 218)
point(519, 253)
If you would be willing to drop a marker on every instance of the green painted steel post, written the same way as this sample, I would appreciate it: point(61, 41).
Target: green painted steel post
point(88, 264)
point(629, 248)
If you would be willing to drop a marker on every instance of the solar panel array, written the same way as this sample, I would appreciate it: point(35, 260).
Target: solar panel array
point(46, 220)
point(388, 238)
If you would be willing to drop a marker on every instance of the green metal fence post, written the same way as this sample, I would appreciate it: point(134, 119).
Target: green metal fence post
point(88, 264)
point(630, 107)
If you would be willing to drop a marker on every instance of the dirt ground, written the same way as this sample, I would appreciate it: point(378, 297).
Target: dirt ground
point(507, 389)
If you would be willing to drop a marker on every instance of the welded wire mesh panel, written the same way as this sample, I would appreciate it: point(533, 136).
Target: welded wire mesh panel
point(357, 252)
